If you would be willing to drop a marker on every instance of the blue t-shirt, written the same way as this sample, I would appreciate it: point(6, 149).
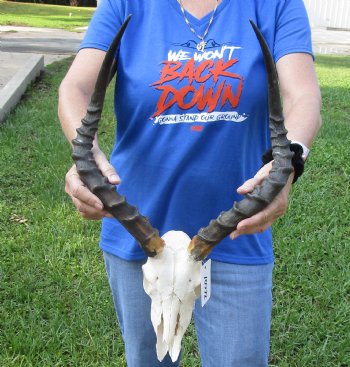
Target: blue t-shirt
point(192, 125)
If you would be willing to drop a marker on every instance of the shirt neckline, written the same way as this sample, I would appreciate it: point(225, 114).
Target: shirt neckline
point(196, 21)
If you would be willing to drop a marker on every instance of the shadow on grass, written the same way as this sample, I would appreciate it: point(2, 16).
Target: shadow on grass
point(332, 61)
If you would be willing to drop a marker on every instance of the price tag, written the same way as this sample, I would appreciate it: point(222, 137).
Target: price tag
point(205, 282)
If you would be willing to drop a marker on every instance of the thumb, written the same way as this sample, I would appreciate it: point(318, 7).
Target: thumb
point(260, 176)
point(107, 169)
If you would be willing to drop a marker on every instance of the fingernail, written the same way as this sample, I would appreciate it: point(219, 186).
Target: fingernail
point(244, 188)
point(248, 187)
point(114, 178)
point(234, 235)
point(98, 206)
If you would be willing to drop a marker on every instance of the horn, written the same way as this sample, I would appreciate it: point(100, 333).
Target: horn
point(137, 225)
point(263, 194)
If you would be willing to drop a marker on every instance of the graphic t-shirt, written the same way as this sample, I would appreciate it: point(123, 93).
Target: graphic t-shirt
point(192, 125)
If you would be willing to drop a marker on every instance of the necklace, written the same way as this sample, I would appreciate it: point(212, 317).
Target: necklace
point(201, 45)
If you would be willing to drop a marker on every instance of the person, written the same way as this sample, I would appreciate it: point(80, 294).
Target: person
point(192, 125)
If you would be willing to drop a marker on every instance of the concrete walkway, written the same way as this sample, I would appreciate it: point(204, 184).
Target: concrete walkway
point(330, 42)
point(39, 40)
point(24, 51)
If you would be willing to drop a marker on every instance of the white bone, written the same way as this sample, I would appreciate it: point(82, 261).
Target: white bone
point(172, 280)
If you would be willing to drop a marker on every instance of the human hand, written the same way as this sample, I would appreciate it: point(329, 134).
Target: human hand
point(88, 204)
point(264, 219)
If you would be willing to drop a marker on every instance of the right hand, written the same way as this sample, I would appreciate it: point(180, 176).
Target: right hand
point(88, 204)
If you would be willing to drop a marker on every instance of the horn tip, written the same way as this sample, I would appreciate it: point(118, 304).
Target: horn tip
point(255, 27)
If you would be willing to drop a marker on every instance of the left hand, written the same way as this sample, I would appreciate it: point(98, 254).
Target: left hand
point(264, 219)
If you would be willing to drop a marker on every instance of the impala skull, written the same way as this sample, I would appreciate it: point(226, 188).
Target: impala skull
point(171, 275)
point(172, 280)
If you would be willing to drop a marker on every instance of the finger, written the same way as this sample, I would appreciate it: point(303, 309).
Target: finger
point(84, 195)
point(107, 169)
point(88, 204)
point(253, 228)
point(264, 218)
point(257, 223)
point(263, 172)
point(259, 177)
point(88, 211)
point(90, 216)
point(248, 186)
point(95, 215)
point(258, 220)
point(250, 230)
point(76, 188)
point(234, 235)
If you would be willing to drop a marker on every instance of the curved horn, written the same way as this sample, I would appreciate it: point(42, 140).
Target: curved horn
point(128, 215)
point(263, 194)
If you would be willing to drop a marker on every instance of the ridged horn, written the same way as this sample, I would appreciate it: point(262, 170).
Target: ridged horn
point(262, 195)
point(137, 225)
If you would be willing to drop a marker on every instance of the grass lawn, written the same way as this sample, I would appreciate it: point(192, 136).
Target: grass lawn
point(39, 15)
point(55, 305)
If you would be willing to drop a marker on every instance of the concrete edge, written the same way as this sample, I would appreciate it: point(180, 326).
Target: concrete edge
point(12, 92)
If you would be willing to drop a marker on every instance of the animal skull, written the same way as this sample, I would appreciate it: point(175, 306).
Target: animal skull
point(172, 280)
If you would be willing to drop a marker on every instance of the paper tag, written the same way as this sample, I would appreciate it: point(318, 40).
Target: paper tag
point(205, 282)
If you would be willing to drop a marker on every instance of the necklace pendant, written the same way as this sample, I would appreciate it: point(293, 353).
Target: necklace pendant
point(201, 46)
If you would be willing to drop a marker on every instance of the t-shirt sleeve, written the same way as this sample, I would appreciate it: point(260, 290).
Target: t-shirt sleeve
point(104, 25)
point(293, 33)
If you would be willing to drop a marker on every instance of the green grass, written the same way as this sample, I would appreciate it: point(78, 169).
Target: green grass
point(39, 15)
point(55, 305)
point(311, 324)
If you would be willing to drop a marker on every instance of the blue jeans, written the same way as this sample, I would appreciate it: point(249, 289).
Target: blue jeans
point(233, 328)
